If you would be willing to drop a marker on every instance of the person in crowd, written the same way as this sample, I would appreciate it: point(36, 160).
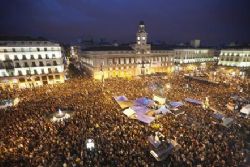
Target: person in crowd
point(29, 138)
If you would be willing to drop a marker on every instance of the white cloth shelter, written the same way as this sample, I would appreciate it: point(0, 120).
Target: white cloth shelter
point(129, 112)
point(245, 109)
point(159, 99)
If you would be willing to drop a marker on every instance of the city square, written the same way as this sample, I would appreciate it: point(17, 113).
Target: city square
point(145, 97)
point(29, 137)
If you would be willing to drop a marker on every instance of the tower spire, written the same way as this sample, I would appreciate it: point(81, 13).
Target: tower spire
point(141, 46)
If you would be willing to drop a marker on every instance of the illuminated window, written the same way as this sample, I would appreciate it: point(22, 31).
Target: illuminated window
point(20, 73)
point(21, 80)
point(143, 38)
point(57, 76)
point(51, 77)
point(139, 42)
point(138, 38)
point(37, 79)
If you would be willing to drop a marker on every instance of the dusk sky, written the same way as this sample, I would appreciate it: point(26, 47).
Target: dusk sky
point(212, 21)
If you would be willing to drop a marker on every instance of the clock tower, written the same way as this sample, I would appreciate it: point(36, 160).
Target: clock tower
point(141, 46)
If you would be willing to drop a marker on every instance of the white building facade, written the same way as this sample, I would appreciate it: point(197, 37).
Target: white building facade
point(192, 55)
point(235, 57)
point(140, 58)
point(26, 64)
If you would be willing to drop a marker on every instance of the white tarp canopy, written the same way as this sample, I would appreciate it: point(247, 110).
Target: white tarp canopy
point(163, 110)
point(227, 122)
point(9, 103)
point(161, 100)
point(129, 112)
point(246, 109)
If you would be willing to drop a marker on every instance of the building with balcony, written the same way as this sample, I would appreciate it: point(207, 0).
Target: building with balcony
point(25, 64)
point(140, 58)
point(193, 55)
point(235, 57)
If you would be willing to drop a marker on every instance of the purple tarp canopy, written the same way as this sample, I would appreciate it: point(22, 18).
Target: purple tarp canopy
point(143, 101)
point(121, 98)
point(194, 101)
point(145, 118)
point(162, 110)
point(218, 116)
point(176, 104)
point(152, 140)
point(140, 109)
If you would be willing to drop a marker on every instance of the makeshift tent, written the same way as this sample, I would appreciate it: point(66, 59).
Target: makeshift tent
point(177, 112)
point(194, 101)
point(121, 98)
point(227, 122)
point(8, 103)
point(163, 110)
point(144, 101)
point(125, 104)
point(16, 101)
point(162, 151)
point(123, 101)
point(218, 116)
point(140, 109)
point(151, 113)
point(176, 104)
point(155, 143)
point(129, 112)
point(145, 118)
point(245, 109)
point(161, 100)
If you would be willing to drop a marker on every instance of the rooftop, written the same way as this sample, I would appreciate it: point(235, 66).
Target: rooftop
point(109, 48)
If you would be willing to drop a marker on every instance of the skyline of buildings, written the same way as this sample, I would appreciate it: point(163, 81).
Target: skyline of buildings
point(36, 62)
point(142, 58)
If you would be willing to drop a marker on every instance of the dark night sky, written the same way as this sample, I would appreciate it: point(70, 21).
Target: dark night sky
point(212, 21)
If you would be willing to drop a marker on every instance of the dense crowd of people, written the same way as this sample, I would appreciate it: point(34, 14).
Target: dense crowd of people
point(29, 138)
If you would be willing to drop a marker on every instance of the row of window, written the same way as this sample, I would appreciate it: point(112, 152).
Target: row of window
point(43, 78)
point(29, 49)
point(34, 64)
point(192, 60)
point(236, 59)
point(191, 52)
point(193, 57)
point(235, 54)
point(35, 72)
point(32, 57)
point(134, 60)
point(112, 52)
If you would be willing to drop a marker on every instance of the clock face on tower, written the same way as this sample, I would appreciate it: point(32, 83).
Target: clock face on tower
point(141, 46)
